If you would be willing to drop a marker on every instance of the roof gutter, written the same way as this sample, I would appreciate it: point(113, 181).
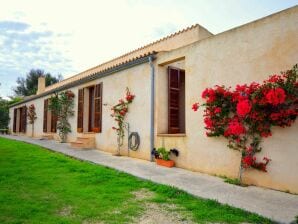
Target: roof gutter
point(91, 77)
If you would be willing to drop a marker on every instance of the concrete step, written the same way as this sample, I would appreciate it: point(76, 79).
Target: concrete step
point(77, 145)
point(83, 142)
point(47, 137)
point(89, 142)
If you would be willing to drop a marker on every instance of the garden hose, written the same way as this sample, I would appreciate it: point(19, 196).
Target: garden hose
point(133, 141)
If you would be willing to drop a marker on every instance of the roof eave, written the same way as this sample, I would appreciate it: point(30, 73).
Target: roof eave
point(92, 77)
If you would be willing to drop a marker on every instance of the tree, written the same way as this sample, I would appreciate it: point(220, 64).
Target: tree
point(4, 115)
point(28, 86)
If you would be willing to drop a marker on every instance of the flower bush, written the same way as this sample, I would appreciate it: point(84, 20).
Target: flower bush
point(62, 105)
point(32, 117)
point(246, 114)
point(119, 112)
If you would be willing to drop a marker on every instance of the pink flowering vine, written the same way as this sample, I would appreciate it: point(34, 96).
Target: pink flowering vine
point(119, 112)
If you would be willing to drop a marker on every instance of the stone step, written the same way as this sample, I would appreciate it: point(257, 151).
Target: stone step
point(47, 137)
point(77, 145)
point(89, 142)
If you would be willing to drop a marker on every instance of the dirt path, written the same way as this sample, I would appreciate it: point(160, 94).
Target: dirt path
point(155, 213)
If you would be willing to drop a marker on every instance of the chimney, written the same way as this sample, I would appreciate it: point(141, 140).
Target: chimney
point(41, 84)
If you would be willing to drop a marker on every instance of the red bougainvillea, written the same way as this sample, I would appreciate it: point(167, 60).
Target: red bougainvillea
point(243, 107)
point(119, 112)
point(246, 115)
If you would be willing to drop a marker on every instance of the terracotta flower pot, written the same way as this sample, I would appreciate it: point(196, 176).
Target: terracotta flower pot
point(96, 130)
point(166, 163)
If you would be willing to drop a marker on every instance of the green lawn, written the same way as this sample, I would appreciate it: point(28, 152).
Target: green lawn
point(40, 186)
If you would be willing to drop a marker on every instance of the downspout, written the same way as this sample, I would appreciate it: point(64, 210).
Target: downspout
point(152, 106)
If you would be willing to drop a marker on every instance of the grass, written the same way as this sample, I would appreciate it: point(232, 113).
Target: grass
point(40, 186)
point(234, 181)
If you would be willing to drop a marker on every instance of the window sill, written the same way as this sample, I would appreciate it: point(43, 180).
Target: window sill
point(172, 135)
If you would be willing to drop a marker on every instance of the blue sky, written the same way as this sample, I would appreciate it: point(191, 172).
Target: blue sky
point(67, 37)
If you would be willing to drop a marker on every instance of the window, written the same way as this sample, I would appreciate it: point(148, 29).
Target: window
point(176, 100)
point(90, 105)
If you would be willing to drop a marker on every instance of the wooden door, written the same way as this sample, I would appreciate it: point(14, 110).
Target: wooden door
point(80, 118)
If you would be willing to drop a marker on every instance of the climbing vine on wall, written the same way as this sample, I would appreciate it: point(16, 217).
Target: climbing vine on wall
point(62, 106)
point(119, 112)
point(246, 114)
point(32, 117)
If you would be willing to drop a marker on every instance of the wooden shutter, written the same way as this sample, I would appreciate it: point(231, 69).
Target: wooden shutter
point(24, 119)
point(45, 115)
point(97, 107)
point(54, 119)
point(173, 100)
point(14, 120)
point(80, 110)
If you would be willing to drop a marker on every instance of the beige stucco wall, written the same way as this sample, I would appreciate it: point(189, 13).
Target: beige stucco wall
point(114, 87)
point(243, 55)
point(38, 126)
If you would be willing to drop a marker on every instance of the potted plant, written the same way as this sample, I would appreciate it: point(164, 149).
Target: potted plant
point(96, 130)
point(162, 157)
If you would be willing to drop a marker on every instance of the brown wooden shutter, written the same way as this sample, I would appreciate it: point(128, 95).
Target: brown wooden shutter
point(97, 108)
point(14, 120)
point(24, 119)
point(173, 100)
point(45, 115)
point(80, 110)
point(54, 119)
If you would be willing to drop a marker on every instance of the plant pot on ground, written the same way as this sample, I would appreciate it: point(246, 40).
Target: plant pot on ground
point(96, 130)
point(166, 163)
point(162, 158)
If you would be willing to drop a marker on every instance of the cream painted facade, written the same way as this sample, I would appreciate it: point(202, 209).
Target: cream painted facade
point(241, 55)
